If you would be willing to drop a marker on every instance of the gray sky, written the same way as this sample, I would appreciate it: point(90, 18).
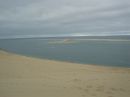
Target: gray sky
point(27, 18)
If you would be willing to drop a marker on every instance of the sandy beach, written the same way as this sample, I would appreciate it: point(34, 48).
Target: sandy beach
point(22, 76)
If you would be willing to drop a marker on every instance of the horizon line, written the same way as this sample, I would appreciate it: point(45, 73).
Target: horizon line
point(52, 36)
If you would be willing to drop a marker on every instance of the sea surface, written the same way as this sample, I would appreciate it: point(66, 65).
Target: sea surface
point(85, 51)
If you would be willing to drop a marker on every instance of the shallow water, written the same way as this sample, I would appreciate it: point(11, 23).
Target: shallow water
point(107, 53)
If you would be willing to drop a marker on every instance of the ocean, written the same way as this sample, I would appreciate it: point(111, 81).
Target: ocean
point(84, 51)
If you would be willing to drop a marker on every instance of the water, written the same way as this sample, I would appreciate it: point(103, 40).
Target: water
point(107, 53)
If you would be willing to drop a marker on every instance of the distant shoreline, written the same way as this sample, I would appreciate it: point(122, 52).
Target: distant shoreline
point(69, 37)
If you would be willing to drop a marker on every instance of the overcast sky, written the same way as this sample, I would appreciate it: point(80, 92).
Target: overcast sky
point(28, 18)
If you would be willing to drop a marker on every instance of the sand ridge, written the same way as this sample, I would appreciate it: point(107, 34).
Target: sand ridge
point(22, 76)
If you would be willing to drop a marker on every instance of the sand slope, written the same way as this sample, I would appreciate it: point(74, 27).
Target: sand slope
point(22, 76)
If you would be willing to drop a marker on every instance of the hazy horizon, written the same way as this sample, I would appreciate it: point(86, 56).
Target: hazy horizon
point(45, 36)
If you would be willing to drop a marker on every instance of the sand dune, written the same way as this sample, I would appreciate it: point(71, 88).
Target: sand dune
point(22, 76)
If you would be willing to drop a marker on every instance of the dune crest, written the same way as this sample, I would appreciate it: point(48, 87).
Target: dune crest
point(22, 76)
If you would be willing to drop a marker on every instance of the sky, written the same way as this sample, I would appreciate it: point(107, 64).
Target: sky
point(34, 18)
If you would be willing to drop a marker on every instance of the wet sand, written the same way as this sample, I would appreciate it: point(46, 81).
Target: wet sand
point(22, 76)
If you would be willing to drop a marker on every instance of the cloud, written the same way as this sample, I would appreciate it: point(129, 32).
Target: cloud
point(64, 17)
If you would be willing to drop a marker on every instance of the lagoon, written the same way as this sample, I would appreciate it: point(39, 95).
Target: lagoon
point(85, 51)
